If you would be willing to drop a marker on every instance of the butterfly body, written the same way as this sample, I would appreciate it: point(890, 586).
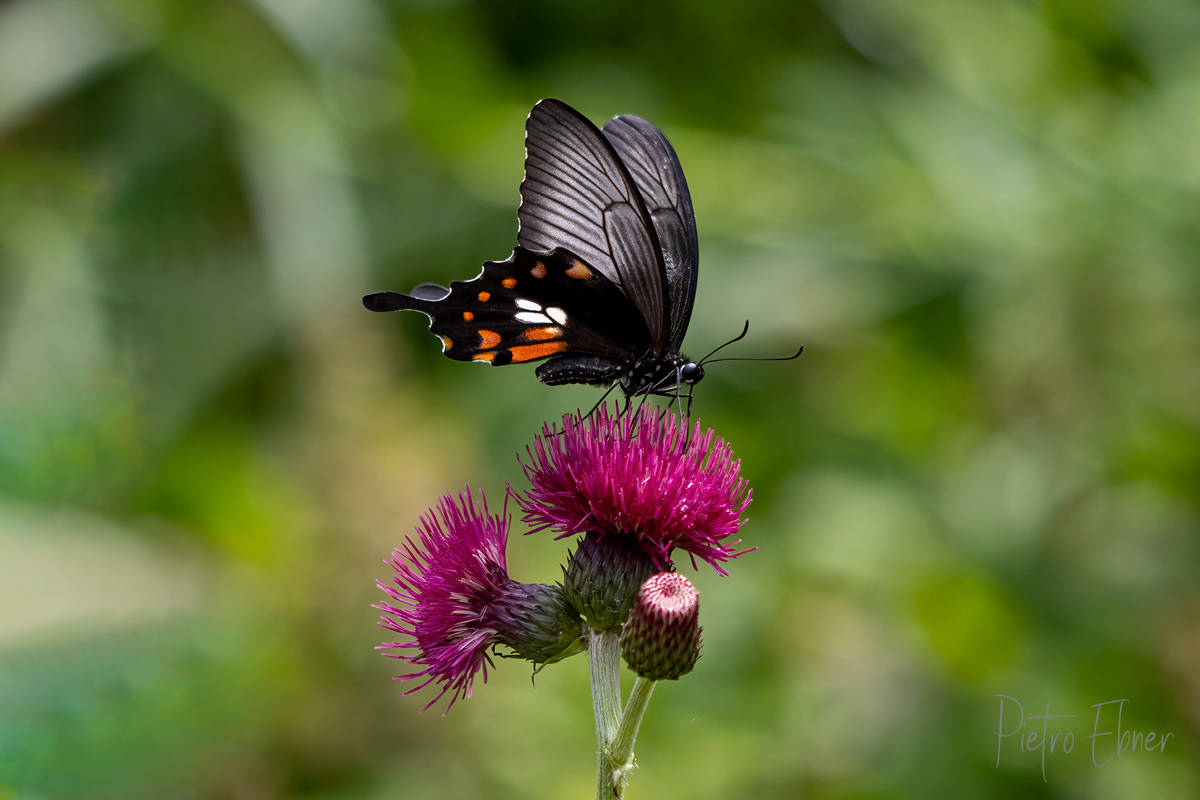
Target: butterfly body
point(604, 275)
point(647, 375)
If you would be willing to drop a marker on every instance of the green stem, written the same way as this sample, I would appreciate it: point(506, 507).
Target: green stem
point(631, 720)
point(604, 664)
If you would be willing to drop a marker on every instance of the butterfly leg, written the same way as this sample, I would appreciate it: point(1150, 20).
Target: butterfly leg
point(600, 402)
point(676, 396)
point(685, 417)
point(638, 413)
point(645, 395)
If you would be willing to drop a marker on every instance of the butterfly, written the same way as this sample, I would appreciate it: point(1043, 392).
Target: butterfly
point(603, 277)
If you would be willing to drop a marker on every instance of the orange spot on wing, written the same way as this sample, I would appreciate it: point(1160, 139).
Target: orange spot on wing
point(484, 296)
point(539, 270)
point(447, 343)
point(541, 334)
point(468, 316)
point(488, 338)
point(579, 271)
point(509, 283)
point(528, 352)
point(484, 357)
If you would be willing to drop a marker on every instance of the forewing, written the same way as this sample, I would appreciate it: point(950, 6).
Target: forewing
point(576, 194)
point(654, 167)
point(528, 307)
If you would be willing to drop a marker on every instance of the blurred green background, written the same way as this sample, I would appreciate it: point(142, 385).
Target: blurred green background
point(980, 218)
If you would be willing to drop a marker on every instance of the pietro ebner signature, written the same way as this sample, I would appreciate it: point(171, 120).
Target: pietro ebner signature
point(1045, 733)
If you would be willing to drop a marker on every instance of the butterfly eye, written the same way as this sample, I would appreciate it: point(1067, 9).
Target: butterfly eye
point(691, 372)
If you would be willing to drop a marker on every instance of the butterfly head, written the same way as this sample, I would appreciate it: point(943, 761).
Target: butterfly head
point(691, 373)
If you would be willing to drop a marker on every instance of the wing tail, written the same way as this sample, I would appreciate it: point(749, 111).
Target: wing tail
point(394, 301)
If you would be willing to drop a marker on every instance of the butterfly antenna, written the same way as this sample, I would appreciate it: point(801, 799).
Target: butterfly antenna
point(738, 338)
point(708, 359)
point(793, 356)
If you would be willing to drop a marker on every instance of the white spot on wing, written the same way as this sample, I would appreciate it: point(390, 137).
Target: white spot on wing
point(528, 305)
point(557, 314)
point(529, 316)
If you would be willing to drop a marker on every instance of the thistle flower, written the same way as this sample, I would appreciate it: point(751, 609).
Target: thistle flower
point(661, 641)
point(454, 597)
point(641, 476)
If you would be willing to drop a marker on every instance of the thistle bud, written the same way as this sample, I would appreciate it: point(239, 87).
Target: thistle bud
point(603, 576)
point(661, 640)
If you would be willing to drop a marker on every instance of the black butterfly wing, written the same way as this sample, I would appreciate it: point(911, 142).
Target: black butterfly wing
point(528, 307)
point(655, 169)
point(577, 194)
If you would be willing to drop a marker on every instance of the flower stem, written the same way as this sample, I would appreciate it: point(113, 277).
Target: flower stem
point(604, 664)
point(626, 735)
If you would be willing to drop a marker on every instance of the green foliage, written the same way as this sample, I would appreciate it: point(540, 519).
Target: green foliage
point(980, 478)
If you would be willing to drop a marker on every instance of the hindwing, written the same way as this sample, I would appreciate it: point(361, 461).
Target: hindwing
point(532, 305)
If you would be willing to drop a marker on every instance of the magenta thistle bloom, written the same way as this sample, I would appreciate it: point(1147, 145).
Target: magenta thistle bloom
point(454, 597)
point(641, 478)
